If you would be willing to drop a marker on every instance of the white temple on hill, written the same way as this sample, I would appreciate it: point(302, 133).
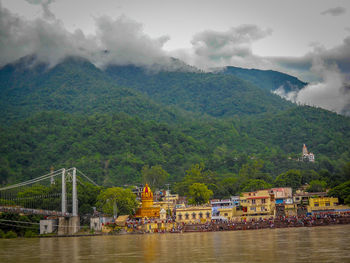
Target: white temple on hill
point(306, 156)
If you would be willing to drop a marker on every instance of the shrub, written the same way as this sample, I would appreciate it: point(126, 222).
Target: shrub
point(10, 234)
point(29, 233)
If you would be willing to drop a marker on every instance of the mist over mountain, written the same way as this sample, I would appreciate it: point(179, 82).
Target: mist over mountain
point(123, 41)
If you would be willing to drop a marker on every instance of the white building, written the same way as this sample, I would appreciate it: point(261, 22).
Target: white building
point(306, 156)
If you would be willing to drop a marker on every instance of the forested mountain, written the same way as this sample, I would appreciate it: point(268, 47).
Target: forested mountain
point(266, 79)
point(76, 85)
point(216, 95)
point(111, 148)
point(112, 122)
point(73, 86)
point(323, 131)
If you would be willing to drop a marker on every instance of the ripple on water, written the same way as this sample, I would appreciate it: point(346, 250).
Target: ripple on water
point(316, 244)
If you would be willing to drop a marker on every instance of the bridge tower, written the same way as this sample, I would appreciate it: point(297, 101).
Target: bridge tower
point(74, 194)
point(64, 195)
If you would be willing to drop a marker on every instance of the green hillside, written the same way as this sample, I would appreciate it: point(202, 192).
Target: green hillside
point(110, 123)
point(216, 95)
point(324, 132)
point(111, 148)
point(265, 79)
point(73, 86)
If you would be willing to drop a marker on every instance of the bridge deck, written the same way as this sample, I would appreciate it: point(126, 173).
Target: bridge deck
point(22, 210)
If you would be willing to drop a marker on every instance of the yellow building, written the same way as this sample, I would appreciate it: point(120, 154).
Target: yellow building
point(227, 212)
point(290, 210)
point(257, 204)
point(322, 204)
point(157, 226)
point(166, 205)
point(193, 214)
point(171, 197)
point(147, 209)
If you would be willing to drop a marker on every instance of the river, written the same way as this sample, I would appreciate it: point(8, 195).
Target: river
point(313, 244)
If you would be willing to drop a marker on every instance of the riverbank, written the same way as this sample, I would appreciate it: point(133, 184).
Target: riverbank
point(283, 222)
point(214, 226)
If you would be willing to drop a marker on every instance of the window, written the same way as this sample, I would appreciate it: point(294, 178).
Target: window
point(263, 208)
point(180, 216)
point(317, 204)
point(200, 215)
point(208, 215)
point(252, 208)
point(253, 201)
point(186, 216)
point(263, 201)
point(226, 214)
point(328, 204)
point(193, 216)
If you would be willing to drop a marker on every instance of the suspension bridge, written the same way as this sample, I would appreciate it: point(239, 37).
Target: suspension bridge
point(52, 194)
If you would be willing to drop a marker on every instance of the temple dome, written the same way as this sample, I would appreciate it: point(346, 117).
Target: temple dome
point(147, 193)
point(147, 210)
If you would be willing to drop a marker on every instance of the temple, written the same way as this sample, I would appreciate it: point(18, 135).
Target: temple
point(147, 209)
point(306, 156)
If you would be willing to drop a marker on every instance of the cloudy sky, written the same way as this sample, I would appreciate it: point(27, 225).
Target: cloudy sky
point(308, 39)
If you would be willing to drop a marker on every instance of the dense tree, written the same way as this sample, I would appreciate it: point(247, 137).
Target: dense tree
point(155, 176)
point(346, 171)
point(198, 194)
point(87, 197)
point(230, 186)
point(291, 178)
point(197, 174)
point(309, 175)
point(317, 186)
point(16, 226)
point(255, 184)
point(341, 191)
point(251, 170)
point(117, 200)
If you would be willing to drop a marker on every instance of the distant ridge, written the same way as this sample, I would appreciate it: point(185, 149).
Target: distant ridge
point(266, 79)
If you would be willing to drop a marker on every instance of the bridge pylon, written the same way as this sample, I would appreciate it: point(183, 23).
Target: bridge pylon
point(64, 193)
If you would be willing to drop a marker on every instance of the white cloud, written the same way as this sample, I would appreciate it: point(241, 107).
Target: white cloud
point(332, 92)
point(122, 41)
point(117, 41)
point(125, 43)
point(327, 69)
point(215, 48)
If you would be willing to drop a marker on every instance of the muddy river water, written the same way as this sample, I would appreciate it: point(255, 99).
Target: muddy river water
point(304, 244)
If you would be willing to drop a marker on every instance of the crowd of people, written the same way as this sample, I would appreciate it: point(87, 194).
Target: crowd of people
point(280, 222)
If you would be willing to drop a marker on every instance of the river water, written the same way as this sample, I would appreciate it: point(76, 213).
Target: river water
point(314, 244)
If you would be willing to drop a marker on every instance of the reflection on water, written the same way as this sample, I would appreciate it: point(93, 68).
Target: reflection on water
point(317, 244)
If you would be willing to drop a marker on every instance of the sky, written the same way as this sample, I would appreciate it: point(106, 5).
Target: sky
point(307, 39)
